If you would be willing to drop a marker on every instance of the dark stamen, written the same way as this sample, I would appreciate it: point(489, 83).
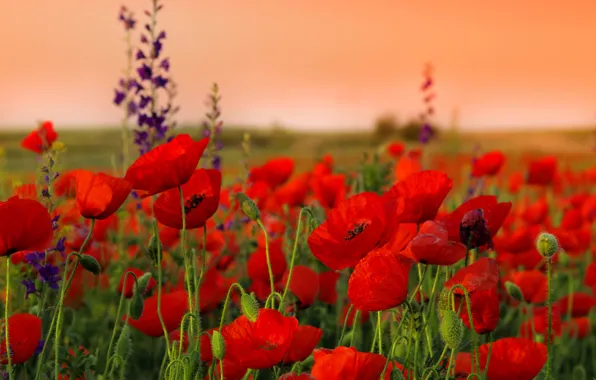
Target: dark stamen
point(193, 202)
point(357, 230)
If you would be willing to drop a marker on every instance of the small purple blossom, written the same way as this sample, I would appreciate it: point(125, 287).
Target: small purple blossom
point(40, 346)
point(29, 287)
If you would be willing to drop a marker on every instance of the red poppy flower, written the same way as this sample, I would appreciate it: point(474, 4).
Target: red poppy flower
point(395, 149)
point(41, 139)
point(581, 304)
point(173, 307)
point(538, 322)
point(432, 247)
point(304, 285)
point(260, 344)
point(100, 195)
point(511, 358)
point(66, 184)
point(293, 192)
point(533, 285)
point(329, 189)
point(408, 165)
point(488, 164)
point(25, 191)
point(304, 342)
point(130, 281)
point(346, 363)
point(25, 224)
point(494, 215)
point(167, 166)
point(577, 328)
point(257, 262)
point(201, 200)
point(537, 212)
point(542, 172)
point(379, 281)
point(423, 193)
point(24, 333)
point(328, 287)
point(274, 172)
point(358, 225)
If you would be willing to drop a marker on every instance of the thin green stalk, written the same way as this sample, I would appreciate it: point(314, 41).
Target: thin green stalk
point(227, 301)
point(187, 263)
point(549, 303)
point(6, 306)
point(268, 257)
point(63, 290)
point(450, 364)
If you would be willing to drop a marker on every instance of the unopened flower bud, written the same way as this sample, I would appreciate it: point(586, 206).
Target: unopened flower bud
point(136, 306)
point(249, 306)
point(218, 345)
point(248, 206)
point(143, 283)
point(547, 245)
point(451, 329)
point(514, 291)
point(90, 264)
point(154, 248)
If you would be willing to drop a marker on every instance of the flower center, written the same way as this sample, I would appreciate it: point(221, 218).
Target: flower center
point(193, 202)
point(357, 230)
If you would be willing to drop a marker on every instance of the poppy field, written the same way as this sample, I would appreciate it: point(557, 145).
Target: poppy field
point(398, 262)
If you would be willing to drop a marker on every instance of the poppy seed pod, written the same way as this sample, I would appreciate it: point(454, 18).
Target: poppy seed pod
point(248, 206)
point(451, 329)
point(218, 345)
point(90, 264)
point(249, 307)
point(547, 245)
point(514, 291)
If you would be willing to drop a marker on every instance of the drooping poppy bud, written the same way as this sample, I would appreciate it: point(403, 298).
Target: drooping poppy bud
point(218, 345)
point(514, 291)
point(249, 307)
point(136, 306)
point(90, 264)
point(451, 329)
point(248, 206)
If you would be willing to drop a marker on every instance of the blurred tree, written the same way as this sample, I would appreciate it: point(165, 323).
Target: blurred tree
point(386, 127)
point(411, 130)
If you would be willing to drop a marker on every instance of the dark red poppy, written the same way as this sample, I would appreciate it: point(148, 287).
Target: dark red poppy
point(423, 194)
point(379, 281)
point(432, 246)
point(41, 139)
point(24, 333)
point(328, 287)
point(304, 285)
point(304, 342)
point(201, 200)
point(130, 281)
point(542, 172)
point(25, 224)
point(274, 172)
point(346, 363)
point(355, 227)
point(260, 344)
point(488, 165)
point(167, 166)
point(494, 214)
point(173, 307)
point(100, 195)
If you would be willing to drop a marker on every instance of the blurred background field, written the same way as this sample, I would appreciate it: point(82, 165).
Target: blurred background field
point(100, 148)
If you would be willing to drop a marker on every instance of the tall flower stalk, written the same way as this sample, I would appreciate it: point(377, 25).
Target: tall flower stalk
point(428, 96)
point(212, 128)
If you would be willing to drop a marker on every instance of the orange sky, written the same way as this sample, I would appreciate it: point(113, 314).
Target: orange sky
point(310, 63)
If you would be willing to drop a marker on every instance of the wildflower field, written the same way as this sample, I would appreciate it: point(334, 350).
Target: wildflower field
point(161, 252)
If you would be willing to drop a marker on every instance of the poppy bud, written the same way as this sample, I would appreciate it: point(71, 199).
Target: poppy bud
point(514, 291)
point(547, 245)
point(473, 230)
point(249, 307)
point(451, 329)
point(143, 283)
point(218, 345)
point(579, 373)
point(124, 345)
point(154, 249)
point(90, 264)
point(249, 207)
point(136, 306)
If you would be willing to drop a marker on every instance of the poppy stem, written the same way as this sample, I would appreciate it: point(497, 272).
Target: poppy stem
point(188, 261)
point(293, 258)
point(6, 306)
point(449, 365)
point(451, 296)
point(490, 352)
point(343, 329)
point(159, 289)
point(549, 275)
point(269, 268)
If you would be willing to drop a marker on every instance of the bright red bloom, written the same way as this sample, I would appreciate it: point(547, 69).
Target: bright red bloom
point(201, 200)
point(274, 172)
point(537, 212)
point(41, 139)
point(408, 165)
point(257, 262)
point(304, 342)
point(26, 191)
point(432, 246)
point(294, 192)
point(542, 172)
point(488, 164)
point(304, 285)
point(379, 281)
point(581, 304)
point(328, 287)
point(346, 363)
point(260, 344)
point(395, 149)
point(130, 282)
point(173, 307)
point(66, 184)
point(358, 225)
point(533, 285)
point(100, 195)
point(167, 166)
point(423, 193)
point(24, 333)
point(330, 190)
point(25, 224)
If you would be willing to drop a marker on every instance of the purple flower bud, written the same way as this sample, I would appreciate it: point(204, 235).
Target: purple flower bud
point(144, 72)
point(140, 55)
point(473, 230)
point(165, 64)
point(119, 97)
